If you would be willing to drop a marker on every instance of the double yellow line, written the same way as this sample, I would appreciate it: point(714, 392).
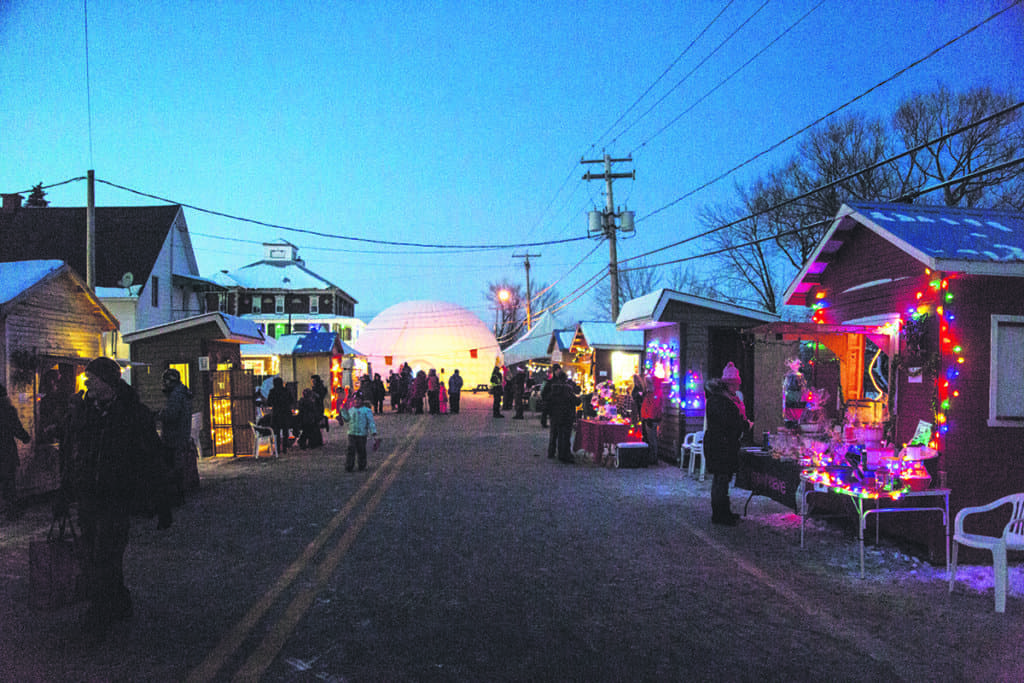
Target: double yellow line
point(263, 655)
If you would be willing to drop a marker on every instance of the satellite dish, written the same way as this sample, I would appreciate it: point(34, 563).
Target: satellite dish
point(126, 280)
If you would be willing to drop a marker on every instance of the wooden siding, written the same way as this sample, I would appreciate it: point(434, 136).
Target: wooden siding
point(982, 463)
point(155, 354)
point(52, 321)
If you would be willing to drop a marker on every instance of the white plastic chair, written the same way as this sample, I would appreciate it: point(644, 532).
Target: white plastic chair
point(693, 444)
point(263, 436)
point(1012, 539)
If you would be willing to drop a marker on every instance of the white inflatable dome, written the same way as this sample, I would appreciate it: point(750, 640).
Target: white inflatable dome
point(430, 334)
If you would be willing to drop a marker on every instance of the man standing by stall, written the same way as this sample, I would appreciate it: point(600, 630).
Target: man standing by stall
point(563, 398)
point(110, 457)
point(176, 432)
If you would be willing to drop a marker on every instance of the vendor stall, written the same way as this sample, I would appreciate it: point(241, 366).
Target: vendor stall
point(944, 290)
point(687, 340)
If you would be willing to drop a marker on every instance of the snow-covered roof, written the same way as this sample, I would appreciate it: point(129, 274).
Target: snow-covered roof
point(232, 328)
point(17, 276)
point(942, 238)
point(264, 275)
point(535, 343)
point(604, 335)
point(646, 312)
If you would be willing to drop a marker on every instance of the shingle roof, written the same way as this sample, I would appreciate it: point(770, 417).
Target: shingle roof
point(128, 238)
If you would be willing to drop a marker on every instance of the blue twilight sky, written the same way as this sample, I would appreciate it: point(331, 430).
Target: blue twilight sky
point(452, 123)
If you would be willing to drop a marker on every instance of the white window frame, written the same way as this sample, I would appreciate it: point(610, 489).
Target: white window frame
point(998, 378)
point(257, 303)
point(279, 303)
point(314, 304)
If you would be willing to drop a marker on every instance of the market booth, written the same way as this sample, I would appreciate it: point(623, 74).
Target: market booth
point(205, 350)
point(51, 325)
point(688, 339)
point(599, 352)
point(532, 350)
point(929, 302)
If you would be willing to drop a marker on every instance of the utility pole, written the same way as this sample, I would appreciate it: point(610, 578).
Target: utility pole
point(529, 296)
point(603, 222)
point(90, 230)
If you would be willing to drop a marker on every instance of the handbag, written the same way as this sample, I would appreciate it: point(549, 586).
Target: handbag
point(54, 567)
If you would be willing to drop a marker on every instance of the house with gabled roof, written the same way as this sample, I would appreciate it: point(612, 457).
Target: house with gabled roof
point(946, 286)
point(145, 266)
point(281, 295)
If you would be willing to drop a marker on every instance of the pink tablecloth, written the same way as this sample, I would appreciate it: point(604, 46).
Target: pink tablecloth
point(593, 435)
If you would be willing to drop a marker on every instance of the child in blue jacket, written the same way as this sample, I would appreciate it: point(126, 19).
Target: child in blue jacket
point(359, 419)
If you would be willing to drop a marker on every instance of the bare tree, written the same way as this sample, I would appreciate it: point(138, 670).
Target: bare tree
point(509, 304)
point(777, 221)
point(636, 278)
point(929, 115)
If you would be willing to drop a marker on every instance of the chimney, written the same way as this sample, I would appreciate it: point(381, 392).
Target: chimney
point(12, 202)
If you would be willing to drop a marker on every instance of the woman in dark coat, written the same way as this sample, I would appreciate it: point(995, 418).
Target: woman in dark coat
point(726, 424)
point(10, 429)
point(281, 420)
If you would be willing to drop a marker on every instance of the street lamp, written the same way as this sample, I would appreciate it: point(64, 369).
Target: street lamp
point(503, 296)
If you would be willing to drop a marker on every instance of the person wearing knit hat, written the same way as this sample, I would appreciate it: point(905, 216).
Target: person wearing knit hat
point(731, 377)
point(111, 463)
point(105, 369)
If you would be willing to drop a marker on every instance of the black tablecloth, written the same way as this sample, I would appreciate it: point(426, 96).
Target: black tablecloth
point(763, 475)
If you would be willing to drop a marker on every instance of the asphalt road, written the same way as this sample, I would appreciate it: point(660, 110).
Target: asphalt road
point(459, 555)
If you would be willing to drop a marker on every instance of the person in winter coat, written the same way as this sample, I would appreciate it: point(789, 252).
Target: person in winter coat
point(433, 392)
point(545, 393)
point(359, 418)
point(379, 392)
point(519, 393)
point(507, 388)
point(496, 391)
point(419, 392)
point(563, 397)
point(726, 424)
point(110, 446)
point(393, 390)
point(309, 421)
point(10, 429)
point(320, 394)
point(454, 391)
point(176, 432)
point(281, 403)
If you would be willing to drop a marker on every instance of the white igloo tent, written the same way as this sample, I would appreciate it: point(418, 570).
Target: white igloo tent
point(431, 334)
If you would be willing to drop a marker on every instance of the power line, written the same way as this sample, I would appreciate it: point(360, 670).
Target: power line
point(694, 69)
point(328, 235)
point(831, 113)
point(663, 74)
point(729, 77)
point(816, 224)
point(838, 181)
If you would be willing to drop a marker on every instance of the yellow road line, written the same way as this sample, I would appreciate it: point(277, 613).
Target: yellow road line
point(208, 669)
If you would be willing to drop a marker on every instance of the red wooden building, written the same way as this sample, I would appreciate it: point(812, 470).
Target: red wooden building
point(948, 284)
